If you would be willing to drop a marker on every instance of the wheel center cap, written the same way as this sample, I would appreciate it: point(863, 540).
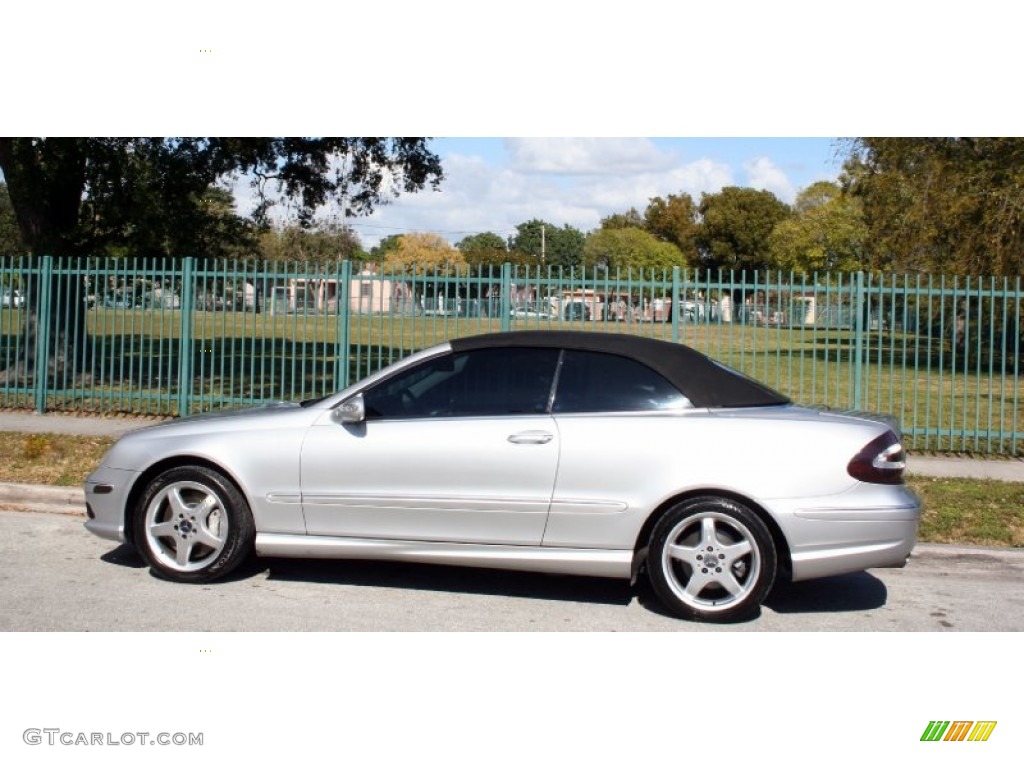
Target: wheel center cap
point(185, 527)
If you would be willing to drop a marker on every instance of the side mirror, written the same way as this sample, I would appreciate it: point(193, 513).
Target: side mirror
point(352, 411)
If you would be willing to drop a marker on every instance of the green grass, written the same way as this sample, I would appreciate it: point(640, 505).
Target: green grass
point(957, 511)
point(966, 511)
point(48, 459)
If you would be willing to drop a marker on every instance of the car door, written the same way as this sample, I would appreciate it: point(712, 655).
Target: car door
point(456, 448)
point(619, 424)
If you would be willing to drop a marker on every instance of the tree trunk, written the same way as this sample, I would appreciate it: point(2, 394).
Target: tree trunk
point(46, 182)
point(55, 307)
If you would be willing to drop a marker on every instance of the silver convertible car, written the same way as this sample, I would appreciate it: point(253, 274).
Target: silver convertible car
point(577, 453)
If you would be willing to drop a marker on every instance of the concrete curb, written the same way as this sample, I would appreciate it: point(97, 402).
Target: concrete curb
point(60, 500)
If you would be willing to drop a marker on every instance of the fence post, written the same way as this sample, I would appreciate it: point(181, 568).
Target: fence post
point(506, 297)
point(43, 320)
point(858, 339)
point(675, 305)
point(343, 332)
point(185, 339)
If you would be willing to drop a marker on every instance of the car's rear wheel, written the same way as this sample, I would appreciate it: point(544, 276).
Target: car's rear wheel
point(711, 559)
point(192, 524)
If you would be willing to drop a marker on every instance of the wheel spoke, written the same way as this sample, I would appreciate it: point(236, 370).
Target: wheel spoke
point(182, 554)
point(698, 581)
point(728, 582)
point(685, 554)
point(708, 533)
point(734, 552)
point(209, 538)
point(162, 529)
point(176, 502)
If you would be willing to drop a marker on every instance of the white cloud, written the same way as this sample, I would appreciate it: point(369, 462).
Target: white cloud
point(477, 196)
point(762, 173)
point(590, 156)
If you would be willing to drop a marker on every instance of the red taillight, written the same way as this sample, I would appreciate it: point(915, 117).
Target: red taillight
point(880, 461)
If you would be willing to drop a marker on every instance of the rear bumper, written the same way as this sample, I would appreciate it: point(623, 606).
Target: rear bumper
point(867, 527)
point(883, 546)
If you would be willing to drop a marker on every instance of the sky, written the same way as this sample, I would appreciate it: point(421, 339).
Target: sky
point(493, 184)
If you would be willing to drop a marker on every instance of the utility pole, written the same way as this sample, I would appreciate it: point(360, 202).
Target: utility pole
point(542, 248)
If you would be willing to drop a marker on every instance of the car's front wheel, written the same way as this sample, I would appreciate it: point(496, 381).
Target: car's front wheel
point(711, 559)
point(192, 524)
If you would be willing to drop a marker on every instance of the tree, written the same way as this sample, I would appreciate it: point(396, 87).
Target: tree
point(210, 230)
point(675, 220)
point(941, 204)
point(11, 243)
point(826, 233)
point(630, 218)
point(325, 241)
point(77, 197)
point(630, 248)
point(423, 251)
point(542, 243)
point(72, 196)
point(380, 251)
point(155, 196)
point(484, 249)
point(736, 225)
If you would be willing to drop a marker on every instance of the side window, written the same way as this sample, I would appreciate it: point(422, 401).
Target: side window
point(482, 382)
point(591, 382)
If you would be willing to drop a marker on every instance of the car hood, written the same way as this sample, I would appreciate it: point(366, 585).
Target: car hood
point(229, 419)
point(205, 434)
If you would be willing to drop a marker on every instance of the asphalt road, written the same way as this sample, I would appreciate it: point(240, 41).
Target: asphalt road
point(55, 576)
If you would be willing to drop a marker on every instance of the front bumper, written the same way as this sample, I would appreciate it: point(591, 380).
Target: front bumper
point(106, 499)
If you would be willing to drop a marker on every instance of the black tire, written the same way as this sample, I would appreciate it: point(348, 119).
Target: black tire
point(193, 525)
point(697, 532)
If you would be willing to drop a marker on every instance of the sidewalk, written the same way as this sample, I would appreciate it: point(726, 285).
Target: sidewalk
point(1011, 470)
point(66, 424)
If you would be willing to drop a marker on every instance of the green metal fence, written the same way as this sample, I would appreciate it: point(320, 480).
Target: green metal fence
point(165, 337)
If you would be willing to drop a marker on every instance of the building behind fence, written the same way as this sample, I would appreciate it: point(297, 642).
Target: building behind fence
point(177, 337)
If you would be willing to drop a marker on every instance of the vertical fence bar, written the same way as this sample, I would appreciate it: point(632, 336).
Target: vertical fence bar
point(506, 297)
point(60, 340)
point(185, 338)
point(676, 302)
point(1001, 432)
point(43, 321)
point(917, 346)
point(858, 338)
point(942, 356)
point(978, 357)
point(1016, 421)
point(343, 329)
point(812, 331)
point(928, 359)
point(779, 320)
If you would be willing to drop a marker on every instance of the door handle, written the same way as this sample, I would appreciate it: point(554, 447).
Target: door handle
point(531, 437)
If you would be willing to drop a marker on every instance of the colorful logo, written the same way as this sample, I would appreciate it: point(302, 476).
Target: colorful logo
point(958, 730)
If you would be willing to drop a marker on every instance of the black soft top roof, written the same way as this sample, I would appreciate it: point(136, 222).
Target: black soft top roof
point(706, 383)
